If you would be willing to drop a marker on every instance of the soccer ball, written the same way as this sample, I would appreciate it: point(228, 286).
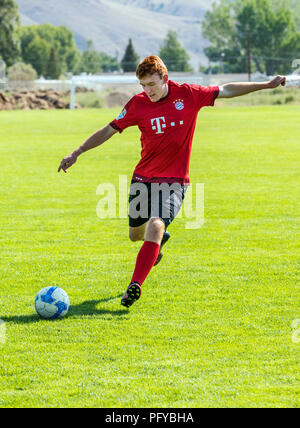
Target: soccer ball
point(52, 303)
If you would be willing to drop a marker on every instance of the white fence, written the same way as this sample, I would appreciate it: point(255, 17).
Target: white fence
point(118, 81)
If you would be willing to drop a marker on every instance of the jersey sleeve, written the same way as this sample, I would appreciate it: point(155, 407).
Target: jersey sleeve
point(204, 96)
point(128, 117)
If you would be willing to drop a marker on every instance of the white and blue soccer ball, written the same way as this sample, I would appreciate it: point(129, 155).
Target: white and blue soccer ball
point(52, 303)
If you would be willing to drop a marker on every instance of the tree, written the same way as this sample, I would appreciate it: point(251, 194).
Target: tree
point(130, 59)
point(246, 22)
point(268, 30)
point(37, 54)
point(293, 5)
point(67, 51)
point(109, 63)
point(54, 66)
point(61, 46)
point(291, 45)
point(90, 61)
point(250, 33)
point(9, 23)
point(173, 54)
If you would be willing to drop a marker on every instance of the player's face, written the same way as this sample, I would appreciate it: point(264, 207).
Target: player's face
point(155, 86)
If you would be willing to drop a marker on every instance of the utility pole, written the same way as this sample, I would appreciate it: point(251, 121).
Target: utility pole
point(73, 94)
point(222, 63)
point(2, 73)
point(249, 55)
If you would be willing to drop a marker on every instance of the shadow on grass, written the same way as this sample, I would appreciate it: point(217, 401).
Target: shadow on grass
point(87, 308)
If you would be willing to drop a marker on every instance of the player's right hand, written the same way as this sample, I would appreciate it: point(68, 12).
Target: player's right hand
point(277, 81)
point(67, 162)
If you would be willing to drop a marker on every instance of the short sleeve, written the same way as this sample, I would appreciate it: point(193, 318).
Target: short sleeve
point(204, 96)
point(126, 118)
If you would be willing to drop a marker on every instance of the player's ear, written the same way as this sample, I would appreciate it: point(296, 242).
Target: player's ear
point(166, 78)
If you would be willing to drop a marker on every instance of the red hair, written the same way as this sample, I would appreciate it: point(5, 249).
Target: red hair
point(151, 65)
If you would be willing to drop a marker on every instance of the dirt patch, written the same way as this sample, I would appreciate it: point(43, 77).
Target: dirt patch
point(33, 100)
point(117, 99)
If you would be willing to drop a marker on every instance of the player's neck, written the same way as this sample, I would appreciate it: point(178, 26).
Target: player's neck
point(165, 92)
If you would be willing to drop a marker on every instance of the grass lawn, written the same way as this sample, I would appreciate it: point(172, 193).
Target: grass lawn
point(214, 325)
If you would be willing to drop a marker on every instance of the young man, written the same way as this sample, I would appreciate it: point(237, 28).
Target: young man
point(166, 115)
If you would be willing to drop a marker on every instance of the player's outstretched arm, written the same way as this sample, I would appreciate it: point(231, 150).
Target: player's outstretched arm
point(231, 90)
point(93, 141)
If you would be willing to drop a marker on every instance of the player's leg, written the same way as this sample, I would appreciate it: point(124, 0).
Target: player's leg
point(145, 260)
point(138, 221)
point(155, 230)
point(137, 233)
point(153, 233)
point(170, 203)
point(165, 238)
point(149, 251)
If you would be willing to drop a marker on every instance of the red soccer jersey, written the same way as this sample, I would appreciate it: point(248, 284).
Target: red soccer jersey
point(167, 128)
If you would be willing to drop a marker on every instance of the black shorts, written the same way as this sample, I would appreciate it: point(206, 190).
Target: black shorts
point(147, 200)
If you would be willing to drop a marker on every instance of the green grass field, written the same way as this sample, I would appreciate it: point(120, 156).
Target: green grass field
point(214, 325)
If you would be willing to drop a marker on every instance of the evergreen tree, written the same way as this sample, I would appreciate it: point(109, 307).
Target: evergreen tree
point(54, 66)
point(9, 23)
point(173, 54)
point(130, 59)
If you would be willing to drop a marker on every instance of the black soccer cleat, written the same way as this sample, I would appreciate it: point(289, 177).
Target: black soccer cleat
point(164, 240)
point(132, 294)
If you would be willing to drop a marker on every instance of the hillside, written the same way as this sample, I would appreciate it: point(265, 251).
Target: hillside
point(110, 23)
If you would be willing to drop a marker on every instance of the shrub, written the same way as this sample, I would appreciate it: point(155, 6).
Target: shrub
point(289, 99)
point(21, 71)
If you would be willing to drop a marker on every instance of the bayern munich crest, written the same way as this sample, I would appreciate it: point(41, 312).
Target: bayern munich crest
point(179, 105)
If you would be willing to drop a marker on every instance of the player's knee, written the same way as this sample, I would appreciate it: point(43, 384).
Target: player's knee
point(156, 225)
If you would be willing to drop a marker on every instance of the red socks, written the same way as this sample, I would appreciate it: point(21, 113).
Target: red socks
point(145, 261)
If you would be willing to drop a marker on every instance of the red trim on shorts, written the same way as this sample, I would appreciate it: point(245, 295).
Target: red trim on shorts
point(142, 179)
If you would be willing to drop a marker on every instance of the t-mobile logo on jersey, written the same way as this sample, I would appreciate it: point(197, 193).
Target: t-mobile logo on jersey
point(159, 123)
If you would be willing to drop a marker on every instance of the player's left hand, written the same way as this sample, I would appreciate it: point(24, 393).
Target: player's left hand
point(67, 162)
point(277, 81)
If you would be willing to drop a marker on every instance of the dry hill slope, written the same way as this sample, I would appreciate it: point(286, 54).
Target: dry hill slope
point(110, 23)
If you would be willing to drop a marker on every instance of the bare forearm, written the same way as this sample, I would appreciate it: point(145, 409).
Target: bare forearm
point(94, 140)
point(230, 90)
